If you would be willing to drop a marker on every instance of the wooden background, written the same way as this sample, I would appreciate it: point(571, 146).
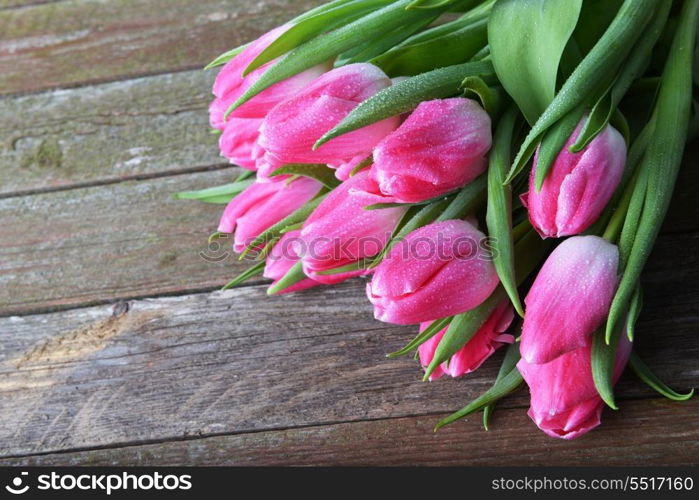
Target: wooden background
point(116, 348)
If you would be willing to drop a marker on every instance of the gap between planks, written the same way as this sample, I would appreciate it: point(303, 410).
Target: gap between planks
point(125, 39)
point(501, 407)
point(119, 180)
point(181, 439)
point(405, 441)
point(23, 4)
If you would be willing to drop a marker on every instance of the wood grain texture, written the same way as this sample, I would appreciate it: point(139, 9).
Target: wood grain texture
point(9, 4)
point(237, 361)
point(102, 243)
point(643, 433)
point(56, 246)
point(85, 41)
point(107, 132)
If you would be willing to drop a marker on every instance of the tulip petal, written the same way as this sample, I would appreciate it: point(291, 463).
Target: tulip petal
point(436, 271)
point(569, 298)
point(439, 147)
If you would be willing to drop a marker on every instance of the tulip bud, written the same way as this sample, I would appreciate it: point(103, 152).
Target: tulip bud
point(262, 205)
point(230, 83)
point(281, 259)
point(238, 140)
point(482, 345)
point(340, 232)
point(564, 401)
point(570, 298)
point(290, 130)
point(578, 186)
point(439, 148)
point(438, 270)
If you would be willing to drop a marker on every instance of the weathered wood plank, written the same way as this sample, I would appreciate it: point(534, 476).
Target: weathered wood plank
point(208, 363)
point(107, 132)
point(83, 41)
point(9, 4)
point(669, 436)
point(100, 243)
point(236, 361)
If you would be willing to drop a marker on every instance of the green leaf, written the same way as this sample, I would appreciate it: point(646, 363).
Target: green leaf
point(218, 194)
point(491, 98)
point(462, 329)
point(594, 72)
point(367, 162)
point(509, 363)
point(603, 358)
point(322, 173)
point(405, 95)
point(594, 19)
point(506, 385)
point(429, 4)
point(597, 120)
point(467, 201)
point(230, 54)
point(633, 217)
point(433, 329)
point(499, 213)
point(378, 206)
point(553, 142)
point(527, 40)
point(475, 15)
point(338, 15)
point(256, 269)
point(604, 108)
point(353, 266)
point(381, 206)
point(378, 46)
point(293, 276)
point(652, 380)
point(446, 50)
point(663, 156)
point(226, 56)
point(634, 311)
point(244, 175)
point(329, 45)
point(276, 230)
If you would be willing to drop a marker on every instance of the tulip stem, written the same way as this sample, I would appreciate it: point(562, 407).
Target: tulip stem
point(616, 222)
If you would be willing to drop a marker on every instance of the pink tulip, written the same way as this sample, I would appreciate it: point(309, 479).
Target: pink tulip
point(262, 205)
point(340, 232)
point(564, 401)
point(570, 298)
point(230, 83)
point(238, 140)
point(281, 259)
point(485, 342)
point(578, 186)
point(290, 130)
point(439, 148)
point(438, 270)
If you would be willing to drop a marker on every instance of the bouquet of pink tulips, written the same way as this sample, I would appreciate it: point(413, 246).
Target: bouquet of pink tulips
point(457, 154)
